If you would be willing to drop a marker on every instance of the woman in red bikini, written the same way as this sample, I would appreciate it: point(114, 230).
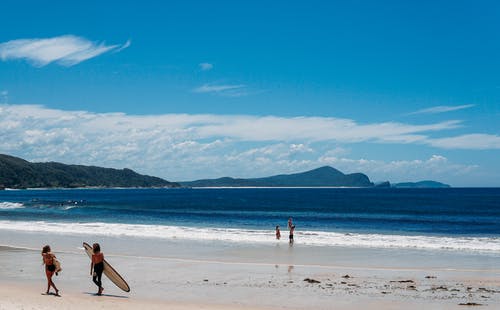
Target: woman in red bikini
point(50, 267)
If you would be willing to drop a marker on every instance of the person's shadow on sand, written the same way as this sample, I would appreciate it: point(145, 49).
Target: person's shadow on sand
point(51, 294)
point(106, 295)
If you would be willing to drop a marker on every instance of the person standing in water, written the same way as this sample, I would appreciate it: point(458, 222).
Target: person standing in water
point(50, 268)
point(290, 237)
point(290, 223)
point(97, 267)
point(278, 232)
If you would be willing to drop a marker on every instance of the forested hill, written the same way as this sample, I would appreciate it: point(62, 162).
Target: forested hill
point(324, 176)
point(19, 173)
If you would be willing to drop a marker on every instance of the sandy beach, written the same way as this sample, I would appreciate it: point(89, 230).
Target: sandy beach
point(190, 275)
point(28, 297)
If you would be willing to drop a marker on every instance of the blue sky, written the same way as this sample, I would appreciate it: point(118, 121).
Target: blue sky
point(200, 89)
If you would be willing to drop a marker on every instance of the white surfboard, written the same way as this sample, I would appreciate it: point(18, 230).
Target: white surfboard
point(109, 271)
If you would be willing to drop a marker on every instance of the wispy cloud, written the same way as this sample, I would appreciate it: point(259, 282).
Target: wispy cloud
point(67, 50)
point(124, 46)
point(230, 90)
point(205, 66)
point(184, 146)
point(468, 142)
point(234, 127)
point(4, 96)
point(443, 109)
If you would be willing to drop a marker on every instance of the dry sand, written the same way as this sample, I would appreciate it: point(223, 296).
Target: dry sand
point(15, 297)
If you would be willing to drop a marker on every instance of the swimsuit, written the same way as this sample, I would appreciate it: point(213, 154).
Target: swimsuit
point(98, 269)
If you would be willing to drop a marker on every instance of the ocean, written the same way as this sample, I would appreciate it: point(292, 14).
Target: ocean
point(451, 219)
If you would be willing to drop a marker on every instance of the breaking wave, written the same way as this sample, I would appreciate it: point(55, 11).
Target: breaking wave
point(311, 238)
point(10, 205)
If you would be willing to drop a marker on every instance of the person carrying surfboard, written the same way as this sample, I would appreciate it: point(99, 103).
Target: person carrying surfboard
point(108, 270)
point(50, 268)
point(97, 267)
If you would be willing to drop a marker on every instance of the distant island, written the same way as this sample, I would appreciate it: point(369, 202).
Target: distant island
point(324, 176)
point(321, 177)
point(18, 173)
point(421, 184)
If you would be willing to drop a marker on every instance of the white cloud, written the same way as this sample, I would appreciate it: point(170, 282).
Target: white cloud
point(275, 151)
point(67, 50)
point(468, 142)
point(205, 66)
point(230, 90)
point(337, 151)
point(4, 96)
point(443, 109)
point(124, 46)
point(205, 126)
point(436, 167)
point(300, 148)
point(272, 128)
point(183, 146)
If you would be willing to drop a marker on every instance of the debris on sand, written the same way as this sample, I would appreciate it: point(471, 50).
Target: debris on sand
point(308, 280)
point(470, 304)
point(403, 281)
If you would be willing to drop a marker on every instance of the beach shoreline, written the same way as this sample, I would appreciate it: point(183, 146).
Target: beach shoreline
point(188, 275)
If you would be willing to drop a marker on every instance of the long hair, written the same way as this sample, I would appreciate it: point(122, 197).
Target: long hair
point(96, 247)
point(45, 249)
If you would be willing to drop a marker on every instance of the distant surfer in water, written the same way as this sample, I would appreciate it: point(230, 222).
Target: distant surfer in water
point(97, 267)
point(278, 233)
point(50, 267)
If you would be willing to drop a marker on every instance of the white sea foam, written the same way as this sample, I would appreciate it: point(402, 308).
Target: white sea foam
point(313, 238)
point(69, 207)
point(10, 205)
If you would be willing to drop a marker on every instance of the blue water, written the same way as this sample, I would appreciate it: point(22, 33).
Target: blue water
point(435, 212)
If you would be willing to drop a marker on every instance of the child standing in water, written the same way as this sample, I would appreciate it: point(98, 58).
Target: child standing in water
point(97, 267)
point(278, 233)
point(50, 267)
